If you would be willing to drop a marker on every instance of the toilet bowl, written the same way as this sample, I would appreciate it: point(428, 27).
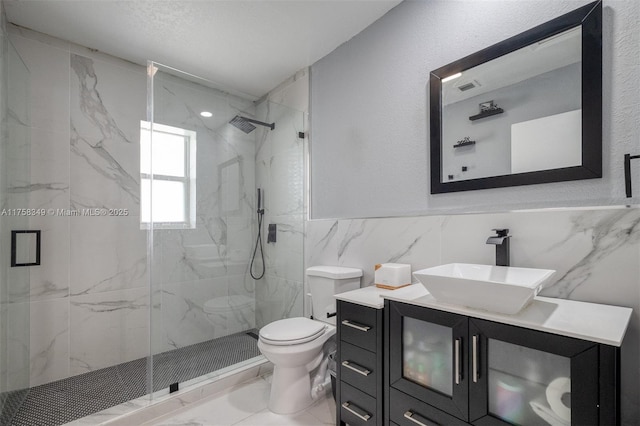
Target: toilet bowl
point(295, 345)
point(294, 357)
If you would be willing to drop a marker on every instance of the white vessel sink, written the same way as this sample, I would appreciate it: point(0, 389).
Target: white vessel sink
point(502, 289)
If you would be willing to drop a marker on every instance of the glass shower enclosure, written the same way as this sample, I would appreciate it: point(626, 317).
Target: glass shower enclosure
point(204, 154)
point(15, 176)
point(133, 321)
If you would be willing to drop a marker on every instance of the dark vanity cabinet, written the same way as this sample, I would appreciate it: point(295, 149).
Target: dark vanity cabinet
point(448, 369)
point(359, 391)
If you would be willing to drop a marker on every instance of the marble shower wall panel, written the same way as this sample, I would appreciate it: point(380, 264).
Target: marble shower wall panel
point(107, 104)
point(50, 280)
point(107, 253)
point(183, 317)
point(185, 320)
point(49, 341)
point(281, 257)
point(277, 298)
point(49, 94)
point(108, 328)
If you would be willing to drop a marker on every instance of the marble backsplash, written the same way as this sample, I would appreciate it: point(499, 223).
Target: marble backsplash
point(596, 253)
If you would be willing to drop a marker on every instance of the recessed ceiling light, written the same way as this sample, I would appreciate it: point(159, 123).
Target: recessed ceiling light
point(451, 77)
point(206, 114)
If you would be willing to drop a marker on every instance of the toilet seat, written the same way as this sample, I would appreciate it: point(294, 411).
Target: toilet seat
point(292, 331)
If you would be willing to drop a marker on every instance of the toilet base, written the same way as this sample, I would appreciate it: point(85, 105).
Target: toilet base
point(290, 390)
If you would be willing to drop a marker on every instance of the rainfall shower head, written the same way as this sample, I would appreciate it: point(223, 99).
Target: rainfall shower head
point(244, 124)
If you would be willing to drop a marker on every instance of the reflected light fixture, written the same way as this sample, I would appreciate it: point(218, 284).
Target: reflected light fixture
point(206, 114)
point(451, 77)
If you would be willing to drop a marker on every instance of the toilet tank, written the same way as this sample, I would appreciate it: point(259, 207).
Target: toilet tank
point(324, 283)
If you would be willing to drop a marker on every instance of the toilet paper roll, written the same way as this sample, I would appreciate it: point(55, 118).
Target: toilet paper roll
point(546, 414)
point(555, 390)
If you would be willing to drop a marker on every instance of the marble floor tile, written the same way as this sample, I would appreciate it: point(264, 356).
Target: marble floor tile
point(246, 405)
point(224, 409)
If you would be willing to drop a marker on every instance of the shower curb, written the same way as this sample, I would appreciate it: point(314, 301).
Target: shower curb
point(142, 410)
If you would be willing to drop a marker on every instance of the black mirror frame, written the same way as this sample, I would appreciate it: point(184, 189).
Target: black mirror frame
point(590, 18)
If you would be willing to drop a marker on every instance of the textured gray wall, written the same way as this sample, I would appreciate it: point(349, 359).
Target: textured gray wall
point(541, 96)
point(369, 108)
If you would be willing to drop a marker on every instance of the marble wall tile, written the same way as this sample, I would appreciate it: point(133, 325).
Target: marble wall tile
point(277, 298)
point(108, 328)
point(17, 346)
point(49, 83)
point(321, 242)
point(282, 258)
point(286, 180)
point(107, 104)
point(49, 184)
point(362, 243)
point(49, 358)
point(50, 279)
point(107, 253)
point(183, 319)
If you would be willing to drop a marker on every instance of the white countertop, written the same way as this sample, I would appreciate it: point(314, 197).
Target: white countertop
point(373, 296)
point(587, 321)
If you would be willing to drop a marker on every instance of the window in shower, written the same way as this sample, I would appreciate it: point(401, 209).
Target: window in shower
point(168, 176)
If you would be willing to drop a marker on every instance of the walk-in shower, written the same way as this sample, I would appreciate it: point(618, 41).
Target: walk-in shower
point(158, 295)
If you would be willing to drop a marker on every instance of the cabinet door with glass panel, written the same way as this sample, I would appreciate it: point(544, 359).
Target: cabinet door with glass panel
point(488, 373)
point(526, 377)
point(428, 356)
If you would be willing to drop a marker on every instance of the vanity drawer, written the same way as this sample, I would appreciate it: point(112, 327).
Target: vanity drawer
point(407, 411)
point(356, 407)
point(358, 368)
point(358, 325)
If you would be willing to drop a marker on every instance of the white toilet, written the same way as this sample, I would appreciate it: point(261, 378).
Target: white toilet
point(294, 345)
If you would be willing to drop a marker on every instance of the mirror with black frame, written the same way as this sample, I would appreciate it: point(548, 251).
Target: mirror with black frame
point(527, 110)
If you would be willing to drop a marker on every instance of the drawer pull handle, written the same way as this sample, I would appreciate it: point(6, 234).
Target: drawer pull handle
point(347, 406)
point(355, 367)
point(417, 419)
point(457, 367)
point(475, 359)
point(356, 325)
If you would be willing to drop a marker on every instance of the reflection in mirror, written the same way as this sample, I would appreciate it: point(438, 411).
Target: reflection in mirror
point(524, 111)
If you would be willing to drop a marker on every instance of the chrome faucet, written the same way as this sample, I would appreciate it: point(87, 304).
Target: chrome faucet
point(501, 241)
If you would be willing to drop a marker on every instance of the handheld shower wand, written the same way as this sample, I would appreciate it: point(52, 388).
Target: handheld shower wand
point(260, 212)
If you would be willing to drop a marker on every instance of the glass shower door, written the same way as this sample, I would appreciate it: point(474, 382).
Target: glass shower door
point(15, 178)
point(205, 152)
point(197, 175)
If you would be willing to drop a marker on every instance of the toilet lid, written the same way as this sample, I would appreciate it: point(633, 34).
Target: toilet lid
point(291, 331)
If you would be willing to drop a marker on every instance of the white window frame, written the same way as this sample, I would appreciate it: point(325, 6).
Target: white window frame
point(189, 179)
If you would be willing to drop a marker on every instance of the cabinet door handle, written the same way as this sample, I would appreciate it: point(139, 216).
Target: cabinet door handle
point(355, 367)
point(356, 325)
point(347, 406)
point(627, 172)
point(457, 347)
point(474, 359)
point(418, 419)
